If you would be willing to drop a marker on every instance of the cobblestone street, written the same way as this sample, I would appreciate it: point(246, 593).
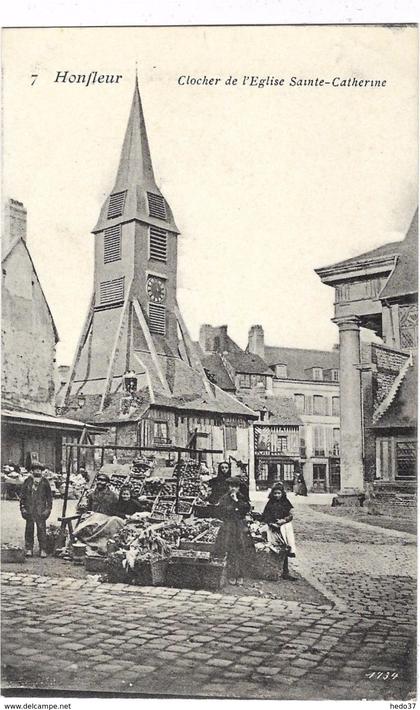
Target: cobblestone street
point(78, 634)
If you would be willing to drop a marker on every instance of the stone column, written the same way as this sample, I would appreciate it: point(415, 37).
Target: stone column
point(351, 432)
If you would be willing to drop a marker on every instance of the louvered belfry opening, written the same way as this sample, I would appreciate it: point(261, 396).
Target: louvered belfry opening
point(157, 207)
point(157, 319)
point(111, 291)
point(158, 244)
point(112, 244)
point(116, 204)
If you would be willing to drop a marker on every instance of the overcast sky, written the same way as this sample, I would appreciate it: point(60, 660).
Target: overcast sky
point(265, 183)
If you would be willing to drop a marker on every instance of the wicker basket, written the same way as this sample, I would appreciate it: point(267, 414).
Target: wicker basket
point(268, 565)
point(12, 554)
point(151, 573)
point(96, 564)
point(193, 574)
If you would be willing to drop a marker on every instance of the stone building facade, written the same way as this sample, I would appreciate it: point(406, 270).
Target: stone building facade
point(378, 290)
point(295, 392)
point(30, 429)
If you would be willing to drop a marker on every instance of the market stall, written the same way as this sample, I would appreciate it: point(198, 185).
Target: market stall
point(173, 541)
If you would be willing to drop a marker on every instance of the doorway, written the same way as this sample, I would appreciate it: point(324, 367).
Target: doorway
point(319, 478)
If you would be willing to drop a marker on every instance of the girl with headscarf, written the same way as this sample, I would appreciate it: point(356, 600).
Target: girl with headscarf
point(278, 516)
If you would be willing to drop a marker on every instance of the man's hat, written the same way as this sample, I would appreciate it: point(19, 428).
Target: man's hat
point(103, 477)
point(37, 464)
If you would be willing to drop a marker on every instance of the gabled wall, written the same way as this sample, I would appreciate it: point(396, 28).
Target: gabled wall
point(27, 336)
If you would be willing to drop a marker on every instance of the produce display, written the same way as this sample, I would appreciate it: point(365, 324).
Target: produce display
point(162, 507)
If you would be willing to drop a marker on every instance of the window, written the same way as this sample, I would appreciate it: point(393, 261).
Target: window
point(158, 244)
point(157, 319)
point(244, 380)
point(336, 442)
point(319, 404)
point(116, 204)
point(300, 403)
point(319, 441)
point(157, 207)
point(160, 433)
point(317, 373)
point(336, 406)
point(231, 440)
point(335, 375)
point(281, 371)
point(112, 244)
point(288, 471)
point(111, 291)
point(406, 460)
point(281, 443)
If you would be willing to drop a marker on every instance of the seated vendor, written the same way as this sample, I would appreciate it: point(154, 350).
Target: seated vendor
point(127, 505)
point(101, 499)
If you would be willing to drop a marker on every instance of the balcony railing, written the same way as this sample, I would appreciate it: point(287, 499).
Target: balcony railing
point(160, 441)
point(291, 453)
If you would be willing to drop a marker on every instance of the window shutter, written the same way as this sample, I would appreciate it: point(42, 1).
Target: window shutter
point(157, 207)
point(157, 319)
point(158, 244)
point(112, 291)
point(308, 404)
point(116, 204)
point(112, 244)
point(231, 442)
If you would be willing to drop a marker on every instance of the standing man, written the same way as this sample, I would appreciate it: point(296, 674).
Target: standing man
point(35, 507)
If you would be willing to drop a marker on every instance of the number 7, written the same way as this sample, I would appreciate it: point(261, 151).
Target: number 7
point(34, 78)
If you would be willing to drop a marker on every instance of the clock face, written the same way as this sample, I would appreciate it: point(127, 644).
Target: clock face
point(156, 289)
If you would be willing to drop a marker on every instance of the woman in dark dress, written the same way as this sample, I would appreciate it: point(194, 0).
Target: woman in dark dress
point(127, 505)
point(276, 514)
point(299, 485)
point(219, 484)
point(233, 539)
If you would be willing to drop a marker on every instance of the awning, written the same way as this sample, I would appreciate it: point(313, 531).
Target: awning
point(10, 416)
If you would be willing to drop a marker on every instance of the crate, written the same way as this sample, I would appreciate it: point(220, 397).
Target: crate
point(185, 506)
point(206, 574)
point(194, 545)
point(12, 554)
point(268, 565)
point(181, 555)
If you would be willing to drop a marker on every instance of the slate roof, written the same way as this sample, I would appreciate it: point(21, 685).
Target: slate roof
point(135, 176)
point(404, 278)
point(402, 412)
point(215, 366)
point(300, 360)
point(389, 249)
point(248, 363)
point(187, 393)
point(282, 410)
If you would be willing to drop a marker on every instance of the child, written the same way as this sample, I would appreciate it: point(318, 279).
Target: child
point(277, 514)
point(233, 539)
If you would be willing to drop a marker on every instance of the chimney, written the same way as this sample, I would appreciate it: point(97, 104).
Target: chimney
point(14, 222)
point(222, 343)
point(205, 337)
point(256, 340)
